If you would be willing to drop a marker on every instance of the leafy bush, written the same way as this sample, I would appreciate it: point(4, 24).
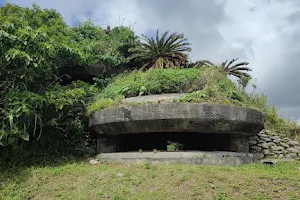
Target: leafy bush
point(96, 45)
point(21, 114)
point(55, 123)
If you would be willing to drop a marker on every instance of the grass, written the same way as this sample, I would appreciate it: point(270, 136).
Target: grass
point(80, 180)
point(152, 82)
point(146, 83)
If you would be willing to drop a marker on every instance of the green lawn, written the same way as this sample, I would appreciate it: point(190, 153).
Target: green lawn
point(80, 180)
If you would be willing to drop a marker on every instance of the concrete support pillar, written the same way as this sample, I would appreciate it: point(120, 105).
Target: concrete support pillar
point(106, 144)
point(239, 143)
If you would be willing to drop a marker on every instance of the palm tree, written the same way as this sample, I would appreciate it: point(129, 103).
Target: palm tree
point(199, 63)
point(162, 52)
point(238, 70)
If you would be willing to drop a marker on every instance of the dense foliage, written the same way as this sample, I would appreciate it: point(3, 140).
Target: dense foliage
point(37, 51)
point(97, 46)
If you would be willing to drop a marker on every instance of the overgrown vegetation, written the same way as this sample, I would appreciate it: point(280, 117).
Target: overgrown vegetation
point(145, 83)
point(42, 102)
point(54, 76)
point(154, 82)
point(202, 85)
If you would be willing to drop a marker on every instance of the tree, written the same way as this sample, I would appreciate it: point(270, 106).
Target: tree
point(166, 51)
point(238, 70)
point(199, 63)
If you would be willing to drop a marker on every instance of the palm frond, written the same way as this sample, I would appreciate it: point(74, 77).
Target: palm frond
point(237, 70)
point(162, 52)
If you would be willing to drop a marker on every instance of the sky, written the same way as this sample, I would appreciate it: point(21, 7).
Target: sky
point(265, 33)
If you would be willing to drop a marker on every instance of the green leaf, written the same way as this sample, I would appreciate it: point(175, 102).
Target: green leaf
point(10, 117)
point(25, 136)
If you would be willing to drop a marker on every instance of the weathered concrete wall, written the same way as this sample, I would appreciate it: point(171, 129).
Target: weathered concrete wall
point(239, 143)
point(267, 144)
point(106, 144)
point(177, 117)
point(204, 158)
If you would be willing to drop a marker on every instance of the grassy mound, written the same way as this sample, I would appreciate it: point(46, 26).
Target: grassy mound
point(202, 85)
point(145, 83)
point(153, 82)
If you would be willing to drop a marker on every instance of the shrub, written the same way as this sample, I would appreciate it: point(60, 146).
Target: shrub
point(21, 115)
point(54, 122)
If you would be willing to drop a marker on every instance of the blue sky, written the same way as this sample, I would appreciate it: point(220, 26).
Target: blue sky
point(265, 33)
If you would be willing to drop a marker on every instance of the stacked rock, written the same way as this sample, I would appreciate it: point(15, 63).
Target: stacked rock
point(271, 145)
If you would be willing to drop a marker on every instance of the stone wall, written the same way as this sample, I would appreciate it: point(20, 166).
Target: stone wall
point(267, 144)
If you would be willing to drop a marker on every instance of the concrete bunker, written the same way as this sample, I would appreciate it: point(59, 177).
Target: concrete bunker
point(198, 127)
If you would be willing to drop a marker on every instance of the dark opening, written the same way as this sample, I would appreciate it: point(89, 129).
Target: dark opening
point(159, 141)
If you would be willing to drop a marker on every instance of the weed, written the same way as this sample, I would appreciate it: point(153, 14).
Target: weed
point(173, 146)
point(184, 178)
point(116, 197)
point(205, 155)
point(153, 175)
point(220, 196)
point(148, 164)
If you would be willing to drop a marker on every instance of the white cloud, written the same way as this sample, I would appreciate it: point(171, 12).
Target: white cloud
point(262, 32)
